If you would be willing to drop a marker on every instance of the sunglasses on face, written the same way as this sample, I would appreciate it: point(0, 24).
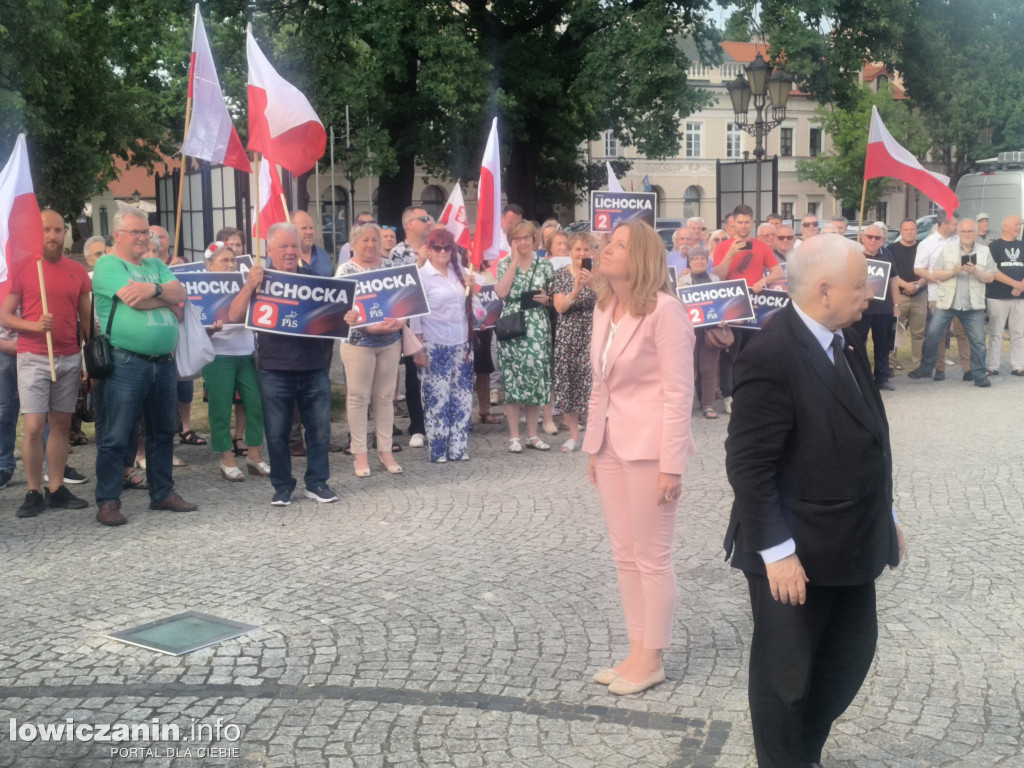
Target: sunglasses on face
point(441, 248)
point(386, 226)
point(809, 223)
point(872, 237)
point(424, 219)
point(785, 237)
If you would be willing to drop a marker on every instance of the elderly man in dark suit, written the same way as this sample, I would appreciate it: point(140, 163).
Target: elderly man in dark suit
point(812, 524)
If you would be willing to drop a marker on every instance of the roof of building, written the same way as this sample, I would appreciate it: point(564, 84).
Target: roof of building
point(132, 178)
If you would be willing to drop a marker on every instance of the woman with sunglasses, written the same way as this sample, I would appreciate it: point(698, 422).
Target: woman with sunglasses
point(524, 283)
point(371, 362)
point(446, 382)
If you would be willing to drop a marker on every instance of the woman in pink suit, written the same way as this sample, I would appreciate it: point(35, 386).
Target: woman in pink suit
point(638, 438)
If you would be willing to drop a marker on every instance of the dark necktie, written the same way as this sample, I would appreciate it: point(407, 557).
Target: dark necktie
point(842, 364)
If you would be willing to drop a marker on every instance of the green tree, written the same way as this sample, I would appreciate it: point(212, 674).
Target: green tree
point(73, 77)
point(423, 80)
point(841, 171)
point(737, 28)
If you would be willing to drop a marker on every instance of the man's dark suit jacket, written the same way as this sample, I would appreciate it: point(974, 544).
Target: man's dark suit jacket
point(808, 458)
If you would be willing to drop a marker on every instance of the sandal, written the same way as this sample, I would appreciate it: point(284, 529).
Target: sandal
point(132, 481)
point(569, 446)
point(514, 445)
point(537, 444)
point(191, 438)
point(710, 413)
point(78, 439)
point(236, 450)
point(486, 418)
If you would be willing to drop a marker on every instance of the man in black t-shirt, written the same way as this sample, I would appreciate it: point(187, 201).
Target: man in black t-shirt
point(912, 291)
point(1004, 299)
point(878, 318)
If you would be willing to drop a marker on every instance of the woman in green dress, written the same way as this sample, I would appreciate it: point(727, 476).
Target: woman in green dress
point(525, 361)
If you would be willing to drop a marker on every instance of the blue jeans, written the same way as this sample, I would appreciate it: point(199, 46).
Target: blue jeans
point(152, 386)
point(9, 405)
point(973, 321)
point(311, 392)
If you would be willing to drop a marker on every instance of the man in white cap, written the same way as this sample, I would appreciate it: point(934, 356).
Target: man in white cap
point(983, 234)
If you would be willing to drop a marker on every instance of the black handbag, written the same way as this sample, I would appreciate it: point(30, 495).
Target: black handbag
point(513, 326)
point(98, 352)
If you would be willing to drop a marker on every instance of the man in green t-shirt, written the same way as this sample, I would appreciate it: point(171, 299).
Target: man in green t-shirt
point(143, 295)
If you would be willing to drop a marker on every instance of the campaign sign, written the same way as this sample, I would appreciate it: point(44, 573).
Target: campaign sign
point(188, 266)
point(727, 301)
point(301, 305)
point(878, 277)
point(492, 305)
point(393, 293)
point(765, 304)
point(609, 209)
point(212, 293)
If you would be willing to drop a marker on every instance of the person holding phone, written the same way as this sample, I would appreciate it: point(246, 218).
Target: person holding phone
point(574, 301)
point(523, 283)
point(640, 438)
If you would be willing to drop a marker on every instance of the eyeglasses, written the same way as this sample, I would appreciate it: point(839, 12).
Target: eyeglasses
point(441, 248)
point(135, 232)
point(521, 239)
point(389, 227)
point(424, 219)
point(809, 223)
point(785, 237)
point(872, 237)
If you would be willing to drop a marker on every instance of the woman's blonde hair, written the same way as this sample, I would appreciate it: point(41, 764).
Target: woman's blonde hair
point(648, 269)
point(522, 228)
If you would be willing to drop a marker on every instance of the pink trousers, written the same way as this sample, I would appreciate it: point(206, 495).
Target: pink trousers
point(642, 534)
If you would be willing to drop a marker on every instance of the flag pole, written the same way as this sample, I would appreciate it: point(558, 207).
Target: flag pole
point(181, 177)
point(863, 197)
point(49, 335)
point(256, 238)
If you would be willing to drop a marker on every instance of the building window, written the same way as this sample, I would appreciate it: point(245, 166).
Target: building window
point(815, 142)
point(812, 209)
point(334, 218)
point(693, 139)
point(691, 201)
point(882, 212)
point(104, 221)
point(611, 144)
point(732, 140)
point(787, 212)
point(661, 200)
point(433, 200)
point(786, 142)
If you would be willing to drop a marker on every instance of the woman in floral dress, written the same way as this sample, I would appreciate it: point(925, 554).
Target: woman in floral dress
point(525, 361)
point(574, 301)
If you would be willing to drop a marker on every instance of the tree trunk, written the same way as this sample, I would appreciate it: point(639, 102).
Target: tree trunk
point(521, 176)
point(394, 194)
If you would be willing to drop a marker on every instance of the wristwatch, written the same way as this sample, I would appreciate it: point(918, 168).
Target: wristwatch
point(159, 290)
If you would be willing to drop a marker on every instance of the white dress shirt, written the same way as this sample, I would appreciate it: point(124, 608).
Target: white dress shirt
point(929, 256)
point(446, 324)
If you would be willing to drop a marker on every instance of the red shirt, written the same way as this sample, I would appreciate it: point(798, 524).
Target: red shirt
point(751, 264)
point(66, 282)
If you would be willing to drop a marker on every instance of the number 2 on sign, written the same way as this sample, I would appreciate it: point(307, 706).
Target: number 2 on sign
point(265, 315)
point(604, 221)
point(696, 315)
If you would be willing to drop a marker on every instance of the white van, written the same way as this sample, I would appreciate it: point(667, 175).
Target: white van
point(998, 192)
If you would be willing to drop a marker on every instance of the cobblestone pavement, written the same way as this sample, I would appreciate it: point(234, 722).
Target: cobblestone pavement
point(453, 615)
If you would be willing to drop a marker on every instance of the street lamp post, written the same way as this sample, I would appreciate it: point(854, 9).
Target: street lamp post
point(766, 88)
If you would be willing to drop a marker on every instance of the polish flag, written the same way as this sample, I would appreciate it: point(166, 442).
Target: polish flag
point(211, 135)
point(454, 219)
point(487, 242)
point(271, 199)
point(887, 158)
point(613, 180)
point(21, 226)
point(282, 123)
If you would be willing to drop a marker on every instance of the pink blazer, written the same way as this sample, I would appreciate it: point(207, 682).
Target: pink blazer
point(646, 394)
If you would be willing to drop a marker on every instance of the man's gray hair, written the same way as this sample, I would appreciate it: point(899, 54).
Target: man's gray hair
point(125, 212)
point(154, 240)
point(282, 226)
point(839, 221)
point(883, 231)
point(93, 240)
point(695, 220)
point(766, 229)
point(824, 255)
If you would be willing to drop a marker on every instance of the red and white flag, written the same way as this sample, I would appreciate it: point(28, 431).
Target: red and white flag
point(282, 123)
point(21, 226)
point(488, 236)
point(211, 135)
point(454, 218)
point(613, 180)
point(887, 158)
point(271, 203)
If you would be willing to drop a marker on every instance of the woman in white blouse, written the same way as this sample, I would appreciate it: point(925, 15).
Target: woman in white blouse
point(446, 383)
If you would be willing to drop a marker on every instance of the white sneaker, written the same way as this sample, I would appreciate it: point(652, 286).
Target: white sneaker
point(728, 404)
point(416, 441)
